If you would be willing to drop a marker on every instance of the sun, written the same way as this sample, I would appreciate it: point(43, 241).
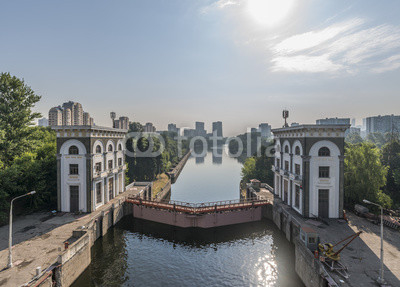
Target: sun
point(269, 13)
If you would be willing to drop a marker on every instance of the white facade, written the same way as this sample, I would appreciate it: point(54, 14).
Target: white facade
point(68, 180)
point(91, 167)
point(331, 183)
point(309, 169)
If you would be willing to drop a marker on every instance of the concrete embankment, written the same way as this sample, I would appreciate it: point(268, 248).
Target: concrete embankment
point(307, 267)
point(176, 171)
point(173, 175)
point(65, 252)
point(164, 193)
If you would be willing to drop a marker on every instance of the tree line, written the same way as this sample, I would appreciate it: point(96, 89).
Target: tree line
point(27, 153)
point(147, 168)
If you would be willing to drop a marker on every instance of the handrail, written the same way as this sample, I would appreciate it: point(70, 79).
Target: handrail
point(203, 205)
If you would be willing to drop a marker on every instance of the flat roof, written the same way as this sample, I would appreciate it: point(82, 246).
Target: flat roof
point(98, 128)
point(309, 127)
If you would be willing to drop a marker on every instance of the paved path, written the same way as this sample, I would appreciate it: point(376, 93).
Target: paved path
point(362, 255)
point(43, 246)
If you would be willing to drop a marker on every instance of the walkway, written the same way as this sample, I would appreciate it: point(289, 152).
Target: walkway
point(43, 250)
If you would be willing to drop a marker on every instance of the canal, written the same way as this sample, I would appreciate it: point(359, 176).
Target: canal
point(141, 253)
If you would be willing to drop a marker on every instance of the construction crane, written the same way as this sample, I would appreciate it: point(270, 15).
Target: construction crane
point(331, 257)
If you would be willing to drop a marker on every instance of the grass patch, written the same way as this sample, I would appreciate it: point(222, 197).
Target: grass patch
point(159, 183)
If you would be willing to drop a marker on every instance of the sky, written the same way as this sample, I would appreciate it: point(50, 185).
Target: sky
point(181, 61)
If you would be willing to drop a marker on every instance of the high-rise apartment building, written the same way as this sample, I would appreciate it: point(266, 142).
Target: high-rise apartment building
point(121, 123)
point(200, 131)
point(56, 116)
point(76, 112)
point(217, 128)
point(172, 128)
point(149, 128)
point(86, 119)
point(265, 130)
point(382, 124)
point(69, 114)
point(67, 117)
point(334, 121)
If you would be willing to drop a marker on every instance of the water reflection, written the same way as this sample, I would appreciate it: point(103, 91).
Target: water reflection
point(141, 253)
point(200, 159)
point(217, 178)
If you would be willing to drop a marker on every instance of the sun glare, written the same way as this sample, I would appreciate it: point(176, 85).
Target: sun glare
point(269, 13)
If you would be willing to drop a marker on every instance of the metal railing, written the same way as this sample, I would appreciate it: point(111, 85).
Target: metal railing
point(205, 207)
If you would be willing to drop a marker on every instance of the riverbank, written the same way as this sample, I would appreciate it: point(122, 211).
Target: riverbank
point(162, 185)
point(175, 172)
point(48, 250)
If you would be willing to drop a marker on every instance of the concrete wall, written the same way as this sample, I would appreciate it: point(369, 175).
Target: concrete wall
point(174, 174)
point(307, 268)
point(73, 261)
point(164, 193)
point(200, 220)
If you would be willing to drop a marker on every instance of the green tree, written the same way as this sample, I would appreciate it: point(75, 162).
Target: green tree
point(33, 170)
point(391, 158)
point(364, 174)
point(16, 116)
point(249, 169)
point(259, 167)
point(376, 138)
point(354, 138)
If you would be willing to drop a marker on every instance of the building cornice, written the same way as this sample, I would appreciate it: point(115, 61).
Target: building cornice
point(315, 131)
point(89, 131)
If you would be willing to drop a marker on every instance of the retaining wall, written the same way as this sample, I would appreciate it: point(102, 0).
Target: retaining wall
point(174, 174)
point(77, 257)
point(307, 267)
point(74, 260)
point(164, 193)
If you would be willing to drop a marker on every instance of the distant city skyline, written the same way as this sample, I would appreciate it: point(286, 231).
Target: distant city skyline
point(239, 62)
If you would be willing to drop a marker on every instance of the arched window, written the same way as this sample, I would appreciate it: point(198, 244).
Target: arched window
point(286, 149)
point(110, 148)
point(324, 151)
point(297, 150)
point(119, 147)
point(73, 150)
point(98, 149)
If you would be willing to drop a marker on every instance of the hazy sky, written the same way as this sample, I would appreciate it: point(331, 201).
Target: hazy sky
point(179, 61)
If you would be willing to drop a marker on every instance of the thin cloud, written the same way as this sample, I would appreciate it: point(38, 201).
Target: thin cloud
point(348, 46)
point(389, 64)
point(220, 4)
point(311, 64)
point(314, 38)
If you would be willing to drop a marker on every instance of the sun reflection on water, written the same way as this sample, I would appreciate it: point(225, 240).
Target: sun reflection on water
point(266, 270)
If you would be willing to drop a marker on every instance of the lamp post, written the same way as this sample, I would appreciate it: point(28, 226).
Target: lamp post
point(380, 278)
point(10, 228)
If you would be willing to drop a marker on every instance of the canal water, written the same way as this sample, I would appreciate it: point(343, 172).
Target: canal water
point(141, 253)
